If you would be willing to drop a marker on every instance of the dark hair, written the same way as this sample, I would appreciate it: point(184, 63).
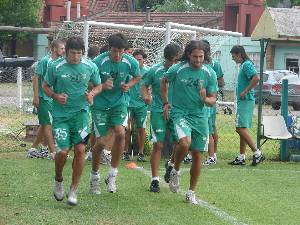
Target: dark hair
point(129, 46)
point(118, 40)
point(236, 49)
point(104, 48)
point(207, 55)
point(75, 43)
point(93, 51)
point(171, 51)
point(56, 43)
point(139, 52)
point(191, 46)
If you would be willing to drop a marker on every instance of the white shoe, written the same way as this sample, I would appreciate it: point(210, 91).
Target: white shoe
point(105, 157)
point(95, 184)
point(51, 156)
point(58, 191)
point(209, 161)
point(33, 153)
point(174, 181)
point(88, 156)
point(190, 197)
point(110, 182)
point(72, 197)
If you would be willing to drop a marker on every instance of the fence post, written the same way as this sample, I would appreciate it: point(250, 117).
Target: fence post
point(284, 113)
point(86, 28)
point(168, 33)
point(19, 88)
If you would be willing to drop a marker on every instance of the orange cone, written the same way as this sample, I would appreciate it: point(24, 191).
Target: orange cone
point(131, 165)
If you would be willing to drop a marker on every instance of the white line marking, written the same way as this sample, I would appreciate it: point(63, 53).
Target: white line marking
point(218, 212)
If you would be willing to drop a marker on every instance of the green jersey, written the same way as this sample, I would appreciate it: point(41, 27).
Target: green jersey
point(120, 72)
point(152, 78)
point(215, 65)
point(136, 100)
point(247, 72)
point(72, 80)
point(40, 71)
point(186, 87)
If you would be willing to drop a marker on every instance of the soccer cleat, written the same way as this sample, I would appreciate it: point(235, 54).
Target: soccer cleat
point(154, 186)
point(95, 184)
point(190, 197)
point(257, 159)
point(141, 157)
point(209, 161)
point(33, 153)
point(126, 156)
point(105, 157)
point(187, 159)
point(58, 191)
point(72, 197)
point(110, 182)
point(167, 174)
point(238, 161)
point(174, 181)
point(88, 156)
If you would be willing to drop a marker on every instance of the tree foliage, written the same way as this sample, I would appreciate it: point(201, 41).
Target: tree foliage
point(296, 2)
point(19, 13)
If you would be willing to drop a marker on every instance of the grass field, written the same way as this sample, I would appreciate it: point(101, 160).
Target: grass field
point(267, 194)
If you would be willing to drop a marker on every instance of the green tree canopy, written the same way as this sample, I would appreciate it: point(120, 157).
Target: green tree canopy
point(19, 13)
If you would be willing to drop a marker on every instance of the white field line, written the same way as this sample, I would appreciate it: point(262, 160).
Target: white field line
point(246, 169)
point(218, 212)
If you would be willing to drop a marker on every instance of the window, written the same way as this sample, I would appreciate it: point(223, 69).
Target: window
point(62, 18)
point(292, 63)
point(247, 27)
point(255, 57)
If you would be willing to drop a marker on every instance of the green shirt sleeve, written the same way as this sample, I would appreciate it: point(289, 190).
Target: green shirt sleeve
point(135, 69)
point(50, 75)
point(95, 78)
point(212, 83)
point(147, 79)
point(171, 73)
point(249, 69)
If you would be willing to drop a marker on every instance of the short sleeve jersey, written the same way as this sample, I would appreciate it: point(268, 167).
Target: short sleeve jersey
point(136, 100)
point(186, 87)
point(216, 66)
point(247, 72)
point(40, 71)
point(72, 80)
point(120, 72)
point(152, 78)
point(215, 69)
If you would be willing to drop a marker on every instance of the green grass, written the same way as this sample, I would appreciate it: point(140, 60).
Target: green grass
point(267, 194)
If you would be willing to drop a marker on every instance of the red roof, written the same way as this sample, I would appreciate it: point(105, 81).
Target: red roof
point(204, 19)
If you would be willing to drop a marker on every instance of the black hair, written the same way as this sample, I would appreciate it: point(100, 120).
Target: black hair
point(104, 48)
point(207, 55)
point(118, 40)
point(171, 51)
point(93, 51)
point(75, 43)
point(129, 46)
point(236, 49)
point(139, 52)
point(191, 46)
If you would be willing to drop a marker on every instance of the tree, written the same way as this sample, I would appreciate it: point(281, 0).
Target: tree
point(295, 2)
point(191, 5)
point(19, 13)
point(143, 4)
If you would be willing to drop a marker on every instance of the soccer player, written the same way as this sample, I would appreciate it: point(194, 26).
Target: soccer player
point(159, 125)
point(69, 78)
point(212, 112)
point(194, 86)
point(137, 111)
point(42, 102)
point(110, 108)
point(247, 80)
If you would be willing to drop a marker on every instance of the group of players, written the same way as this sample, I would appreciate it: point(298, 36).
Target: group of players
point(115, 86)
